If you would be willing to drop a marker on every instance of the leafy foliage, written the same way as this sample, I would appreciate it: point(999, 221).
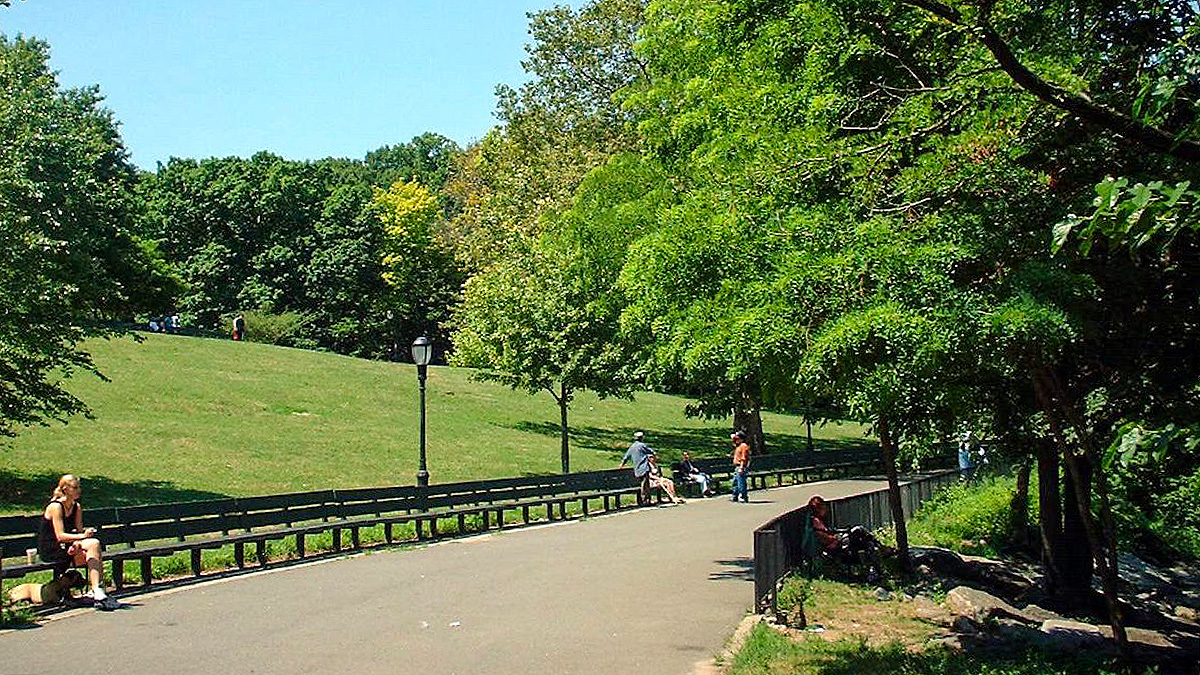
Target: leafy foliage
point(68, 254)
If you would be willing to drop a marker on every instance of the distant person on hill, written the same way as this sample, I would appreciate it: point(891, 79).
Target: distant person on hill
point(239, 327)
point(642, 458)
point(741, 464)
point(63, 541)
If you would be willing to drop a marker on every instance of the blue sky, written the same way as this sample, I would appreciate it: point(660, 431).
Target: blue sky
point(299, 78)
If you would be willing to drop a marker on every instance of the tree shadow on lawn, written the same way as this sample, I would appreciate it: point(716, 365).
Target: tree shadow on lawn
point(672, 442)
point(29, 492)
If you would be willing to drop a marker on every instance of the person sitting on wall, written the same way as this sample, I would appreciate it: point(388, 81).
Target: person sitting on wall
point(851, 545)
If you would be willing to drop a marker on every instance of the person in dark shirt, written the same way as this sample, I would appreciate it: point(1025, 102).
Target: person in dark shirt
point(63, 540)
point(853, 545)
point(694, 475)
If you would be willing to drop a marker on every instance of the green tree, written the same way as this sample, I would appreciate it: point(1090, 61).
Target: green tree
point(548, 318)
point(554, 129)
point(423, 280)
point(67, 253)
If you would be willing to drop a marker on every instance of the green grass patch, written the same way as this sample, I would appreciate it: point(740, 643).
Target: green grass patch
point(187, 418)
point(862, 634)
point(974, 517)
point(768, 652)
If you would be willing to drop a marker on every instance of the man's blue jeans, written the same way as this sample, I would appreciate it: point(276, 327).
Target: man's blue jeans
point(739, 486)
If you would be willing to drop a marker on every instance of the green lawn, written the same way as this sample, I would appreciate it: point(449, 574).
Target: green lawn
point(194, 418)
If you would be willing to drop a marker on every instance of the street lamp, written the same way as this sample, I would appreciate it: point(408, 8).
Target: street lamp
point(422, 350)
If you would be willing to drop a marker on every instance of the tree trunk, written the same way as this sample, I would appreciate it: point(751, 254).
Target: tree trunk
point(564, 402)
point(888, 448)
point(1059, 407)
point(1050, 520)
point(1020, 505)
point(1077, 564)
point(747, 418)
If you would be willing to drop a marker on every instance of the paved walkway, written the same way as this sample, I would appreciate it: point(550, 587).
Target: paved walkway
point(650, 591)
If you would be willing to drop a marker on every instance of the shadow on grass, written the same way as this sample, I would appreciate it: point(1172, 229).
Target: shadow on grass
point(671, 442)
point(29, 492)
point(768, 651)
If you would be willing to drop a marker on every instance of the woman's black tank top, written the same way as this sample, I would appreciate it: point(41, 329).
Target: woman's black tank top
point(48, 543)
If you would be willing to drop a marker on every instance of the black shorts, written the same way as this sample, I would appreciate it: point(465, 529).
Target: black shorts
point(57, 556)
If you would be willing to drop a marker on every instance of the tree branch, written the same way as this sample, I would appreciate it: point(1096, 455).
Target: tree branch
point(1079, 105)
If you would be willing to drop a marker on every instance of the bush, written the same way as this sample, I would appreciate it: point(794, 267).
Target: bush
point(275, 329)
point(974, 517)
point(1178, 516)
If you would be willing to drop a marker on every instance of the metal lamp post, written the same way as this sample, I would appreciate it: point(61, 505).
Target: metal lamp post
point(422, 351)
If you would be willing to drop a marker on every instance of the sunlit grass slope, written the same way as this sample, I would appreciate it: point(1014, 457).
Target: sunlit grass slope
point(193, 418)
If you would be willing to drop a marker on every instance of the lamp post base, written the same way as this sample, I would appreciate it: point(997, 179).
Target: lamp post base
point(423, 478)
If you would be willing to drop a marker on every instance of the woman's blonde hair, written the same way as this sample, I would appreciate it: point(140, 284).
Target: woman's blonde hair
point(67, 479)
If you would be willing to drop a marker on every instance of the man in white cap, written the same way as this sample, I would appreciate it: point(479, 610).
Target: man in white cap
point(642, 457)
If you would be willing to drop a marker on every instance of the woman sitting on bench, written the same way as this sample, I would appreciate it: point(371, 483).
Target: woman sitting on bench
point(63, 541)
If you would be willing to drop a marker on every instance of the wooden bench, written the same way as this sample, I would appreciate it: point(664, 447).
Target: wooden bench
point(796, 467)
point(142, 533)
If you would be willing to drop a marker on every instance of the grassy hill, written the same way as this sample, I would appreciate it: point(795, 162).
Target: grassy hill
point(194, 418)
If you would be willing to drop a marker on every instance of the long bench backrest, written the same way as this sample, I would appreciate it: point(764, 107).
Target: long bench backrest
point(789, 460)
point(19, 533)
point(134, 525)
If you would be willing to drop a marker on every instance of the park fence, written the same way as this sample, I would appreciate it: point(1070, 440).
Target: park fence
point(779, 544)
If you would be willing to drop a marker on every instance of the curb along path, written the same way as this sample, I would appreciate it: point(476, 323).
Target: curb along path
point(656, 590)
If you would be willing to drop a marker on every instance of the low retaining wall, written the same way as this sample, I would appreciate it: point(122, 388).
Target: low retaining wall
point(777, 543)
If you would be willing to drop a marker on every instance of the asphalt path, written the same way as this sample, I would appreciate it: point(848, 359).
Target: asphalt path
point(650, 591)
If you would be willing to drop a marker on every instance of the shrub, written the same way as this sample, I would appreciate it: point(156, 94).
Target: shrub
point(971, 517)
point(1178, 516)
point(275, 329)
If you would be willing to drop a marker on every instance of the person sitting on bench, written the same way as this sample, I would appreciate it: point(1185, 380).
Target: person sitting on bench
point(689, 472)
point(657, 480)
point(50, 593)
point(63, 541)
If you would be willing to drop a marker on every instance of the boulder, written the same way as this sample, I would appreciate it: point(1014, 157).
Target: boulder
point(1072, 634)
point(981, 607)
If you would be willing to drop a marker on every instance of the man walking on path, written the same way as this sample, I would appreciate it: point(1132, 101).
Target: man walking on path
point(639, 454)
point(741, 463)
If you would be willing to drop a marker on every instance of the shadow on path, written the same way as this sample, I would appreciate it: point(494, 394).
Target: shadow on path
point(737, 569)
